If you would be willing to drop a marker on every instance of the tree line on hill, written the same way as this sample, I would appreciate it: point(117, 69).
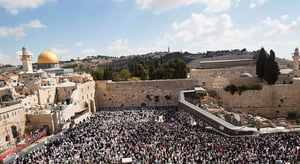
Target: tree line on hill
point(266, 66)
point(143, 70)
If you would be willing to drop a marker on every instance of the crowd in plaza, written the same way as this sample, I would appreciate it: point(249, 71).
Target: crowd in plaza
point(140, 134)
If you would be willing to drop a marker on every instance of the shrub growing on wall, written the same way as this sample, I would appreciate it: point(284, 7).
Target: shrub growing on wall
point(240, 89)
point(292, 115)
point(213, 94)
point(231, 88)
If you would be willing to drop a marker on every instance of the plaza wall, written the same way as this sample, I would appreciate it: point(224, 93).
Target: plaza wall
point(149, 93)
point(39, 121)
point(272, 101)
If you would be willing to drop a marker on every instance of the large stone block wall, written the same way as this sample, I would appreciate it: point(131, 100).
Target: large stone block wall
point(116, 94)
point(272, 101)
point(39, 121)
point(248, 81)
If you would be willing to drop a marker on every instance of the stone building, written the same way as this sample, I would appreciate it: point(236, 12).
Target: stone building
point(43, 98)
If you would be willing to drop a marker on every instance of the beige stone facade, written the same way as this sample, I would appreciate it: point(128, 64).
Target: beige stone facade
point(11, 118)
point(52, 102)
point(36, 99)
point(149, 93)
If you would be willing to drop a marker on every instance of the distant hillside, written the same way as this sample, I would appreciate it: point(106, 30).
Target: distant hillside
point(192, 59)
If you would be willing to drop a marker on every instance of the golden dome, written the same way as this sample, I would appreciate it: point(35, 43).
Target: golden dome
point(47, 57)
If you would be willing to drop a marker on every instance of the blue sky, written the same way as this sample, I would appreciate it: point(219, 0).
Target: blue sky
point(81, 28)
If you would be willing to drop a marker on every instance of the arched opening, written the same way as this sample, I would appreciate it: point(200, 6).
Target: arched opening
point(68, 101)
point(14, 131)
point(7, 138)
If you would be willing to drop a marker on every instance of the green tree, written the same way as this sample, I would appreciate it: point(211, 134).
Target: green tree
point(260, 63)
point(271, 69)
point(181, 69)
point(125, 74)
point(152, 70)
point(97, 74)
point(108, 73)
point(172, 69)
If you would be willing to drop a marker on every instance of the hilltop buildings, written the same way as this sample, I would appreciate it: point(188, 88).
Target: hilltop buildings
point(42, 98)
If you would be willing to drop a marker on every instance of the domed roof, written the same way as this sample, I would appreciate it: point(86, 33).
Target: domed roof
point(47, 57)
point(245, 75)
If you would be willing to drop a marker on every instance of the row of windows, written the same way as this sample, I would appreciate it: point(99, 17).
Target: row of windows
point(88, 87)
point(6, 115)
point(87, 96)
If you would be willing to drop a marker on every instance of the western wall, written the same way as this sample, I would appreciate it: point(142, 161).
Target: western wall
point(148, 93)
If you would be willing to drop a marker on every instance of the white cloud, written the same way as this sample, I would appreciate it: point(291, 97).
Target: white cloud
point(88, 52)
point(79, 44)
point(202, 32)
point(163, 42)
point(256, 3)
point(5, 59)
point(18, 32)
point(284, 17)
point(279, 28)
point(282, 48)
point(216, 6)
point(12, 31)
point(34, 24)
point(159, 6)
point(201, 26)
point(60, 51)
point(119, 46)
point(15, 6)
point(236, 3)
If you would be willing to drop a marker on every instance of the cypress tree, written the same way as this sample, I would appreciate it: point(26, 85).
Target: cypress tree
point(260, 63)
point(271, 69)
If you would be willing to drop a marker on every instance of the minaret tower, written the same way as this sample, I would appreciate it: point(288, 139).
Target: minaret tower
point(296, 63)
point(26, 60)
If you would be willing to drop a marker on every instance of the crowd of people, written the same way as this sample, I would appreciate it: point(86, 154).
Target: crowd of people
point(149, 135)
